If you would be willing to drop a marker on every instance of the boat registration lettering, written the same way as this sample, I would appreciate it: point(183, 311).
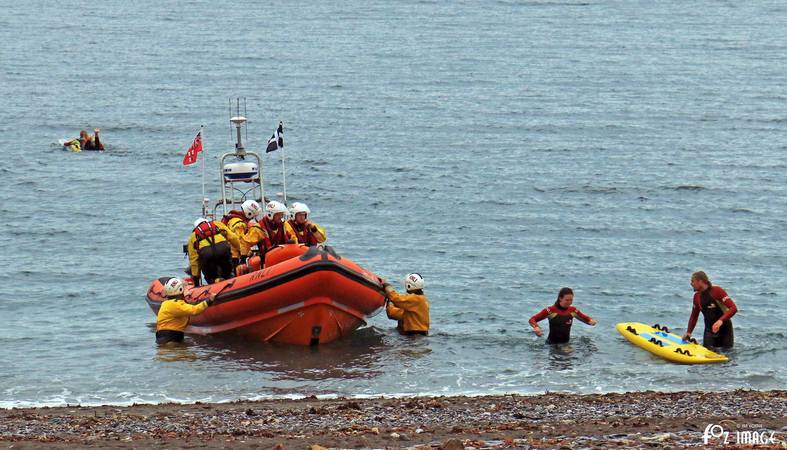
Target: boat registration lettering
point(258, 275)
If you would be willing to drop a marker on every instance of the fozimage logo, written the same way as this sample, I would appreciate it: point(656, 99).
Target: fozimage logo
point(729, 432)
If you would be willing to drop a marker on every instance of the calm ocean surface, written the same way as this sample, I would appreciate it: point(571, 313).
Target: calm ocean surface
point(503, 149)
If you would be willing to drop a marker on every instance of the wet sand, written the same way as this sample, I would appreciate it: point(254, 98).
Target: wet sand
point(551, 420)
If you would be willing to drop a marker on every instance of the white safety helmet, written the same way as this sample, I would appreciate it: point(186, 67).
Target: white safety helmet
point(413, 282)
point(251, 209)
point(174, 287)
point(274, 207)
point(299, 207)
point(199, 221)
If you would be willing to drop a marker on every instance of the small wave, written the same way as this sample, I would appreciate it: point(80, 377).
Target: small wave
point(760, 378)
point(689, 187)
point(592, 230)
point(594, 189)
point(743, 210)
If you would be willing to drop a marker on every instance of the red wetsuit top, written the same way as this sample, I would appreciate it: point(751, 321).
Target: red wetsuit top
point(560, 320)
point(715, 305)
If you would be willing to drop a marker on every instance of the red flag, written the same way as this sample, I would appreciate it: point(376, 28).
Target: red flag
point(191, 154)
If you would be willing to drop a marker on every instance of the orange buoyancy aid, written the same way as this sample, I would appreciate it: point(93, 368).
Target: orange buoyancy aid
point(303, 233)
point(234, 214)
point(276, 236)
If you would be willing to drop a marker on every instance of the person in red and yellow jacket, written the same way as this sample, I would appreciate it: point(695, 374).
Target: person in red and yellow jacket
point(411, 310)
point(209, 249)
point(238, 223)
point(717, 309)
point(300, 229)
point(561, 315)
point(174, 313)
point(255, 235)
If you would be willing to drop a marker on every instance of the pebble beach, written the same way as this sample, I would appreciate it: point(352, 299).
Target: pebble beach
point(551, 420)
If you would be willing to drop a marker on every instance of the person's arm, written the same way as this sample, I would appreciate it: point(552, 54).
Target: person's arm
point(695, 314)
point(253, 236)
point(403, 301)
point(229, 234)
point(583, 317)
point(189, 309)
point(721, 295)
point(543, 314)
point(97, 140)
point(732, 308)
point(393, 312)
point(318, 232)
point(290, 233)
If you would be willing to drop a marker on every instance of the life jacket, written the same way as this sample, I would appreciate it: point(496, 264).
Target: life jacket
point(233, 219)
point(234, 214)
point(276, 236)
point(205, 230)
point(303, 233)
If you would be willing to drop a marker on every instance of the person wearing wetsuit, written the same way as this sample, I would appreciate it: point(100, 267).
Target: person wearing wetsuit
point(561, 315)
point(93, 142)
point(717, 309)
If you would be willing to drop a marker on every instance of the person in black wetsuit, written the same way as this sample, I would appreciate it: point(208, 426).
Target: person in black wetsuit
point(561, 315)
point(717, 309)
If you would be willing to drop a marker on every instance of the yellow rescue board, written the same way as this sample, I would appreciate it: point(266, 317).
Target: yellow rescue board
point(74, 147)
point(671, 347)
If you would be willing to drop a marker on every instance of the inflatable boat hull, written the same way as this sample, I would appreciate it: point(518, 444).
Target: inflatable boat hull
point(313, 298)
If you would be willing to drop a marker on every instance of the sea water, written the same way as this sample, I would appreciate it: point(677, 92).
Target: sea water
point(503, 149)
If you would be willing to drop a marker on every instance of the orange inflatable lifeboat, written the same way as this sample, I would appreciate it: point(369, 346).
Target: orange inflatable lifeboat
point(304, 296)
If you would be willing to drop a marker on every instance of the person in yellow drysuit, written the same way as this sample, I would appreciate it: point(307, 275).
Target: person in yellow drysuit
point(174, 313)
point(238, 223)
point(300, 229)
point(411, 310)
point(268, 232)
point(209, 249)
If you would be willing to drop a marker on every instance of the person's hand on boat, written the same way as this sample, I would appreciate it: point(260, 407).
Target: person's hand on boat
point(686, 336)
point(211, 299)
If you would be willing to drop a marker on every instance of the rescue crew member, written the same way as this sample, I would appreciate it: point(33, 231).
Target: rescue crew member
point(174, 313)
point(300, 229)
point(267, 232)
point(273, 224)
point(237, 222)
point(717, 309)
point(560, 315)
point(411, 310)
point(209, 251)
point(255, 235)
